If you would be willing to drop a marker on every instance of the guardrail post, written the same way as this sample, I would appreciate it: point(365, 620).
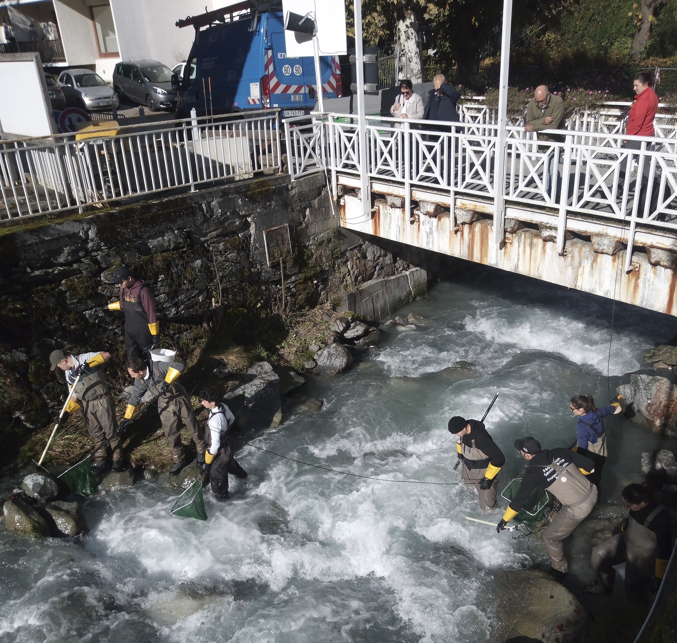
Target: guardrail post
point(564, 194)
point(407, 169)
point(332, 157)
point(189, 164)
point(635, 203)
point(290, 149)
point(277, 142)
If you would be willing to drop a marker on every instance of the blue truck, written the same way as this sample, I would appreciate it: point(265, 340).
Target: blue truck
point(239, 62)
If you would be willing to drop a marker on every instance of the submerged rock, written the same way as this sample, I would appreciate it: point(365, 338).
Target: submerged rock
point(151, 473)
point(21, 518)
point(530, 603)
point(654, 401)
point(40, 486)
point(302, 403)
point(67, 516)
point(187, 476)
point(664, 353)
point(289, 379)
point(663, 460)
point(118, 480)
point(414, 318)
point(333, 359)
point(372, 339)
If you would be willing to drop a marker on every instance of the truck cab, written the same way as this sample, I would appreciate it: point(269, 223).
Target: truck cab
point(239, 62)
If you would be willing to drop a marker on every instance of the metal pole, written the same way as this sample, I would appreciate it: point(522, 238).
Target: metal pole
point(501, 140)
point(318, 74)
point(361, 122)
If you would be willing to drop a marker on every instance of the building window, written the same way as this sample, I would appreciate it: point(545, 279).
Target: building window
point(102, 16)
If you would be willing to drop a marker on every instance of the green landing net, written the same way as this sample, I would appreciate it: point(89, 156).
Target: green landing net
point(535, 508)
point(81, 479)
point(191, 503)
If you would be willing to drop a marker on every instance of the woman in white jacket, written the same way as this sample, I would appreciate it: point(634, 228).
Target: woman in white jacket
point(408, 104)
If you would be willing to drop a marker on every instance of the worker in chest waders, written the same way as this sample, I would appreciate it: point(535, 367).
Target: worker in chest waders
point(563, 473)
point(219, 460)
point(174, 406)
point(92, 394)
point(590, 433)
point(644, 545)
point(142, 329)
point(481, 457)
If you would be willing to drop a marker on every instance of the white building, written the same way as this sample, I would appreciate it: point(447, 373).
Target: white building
point(98, 33)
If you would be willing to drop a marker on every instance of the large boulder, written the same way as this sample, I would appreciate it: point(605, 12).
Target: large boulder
point(357, 329)
point(332, 360)
point(256, 403)
point(654, 401)
point(372, 339)
point(187, 476)
point(24, 519)
point(289, 379)
point(67, 517)
point(530, 603)
point(40, 486)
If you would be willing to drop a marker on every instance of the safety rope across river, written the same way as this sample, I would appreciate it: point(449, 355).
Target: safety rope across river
point(354, 475)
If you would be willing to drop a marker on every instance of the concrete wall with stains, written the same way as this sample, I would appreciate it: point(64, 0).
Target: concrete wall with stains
point(530, 249)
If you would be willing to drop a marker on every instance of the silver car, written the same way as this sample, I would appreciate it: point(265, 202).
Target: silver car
point(85, 89)
point(148, 82)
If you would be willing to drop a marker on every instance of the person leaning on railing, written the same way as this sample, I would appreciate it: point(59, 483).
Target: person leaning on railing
point(641, 115)
point(408, 104)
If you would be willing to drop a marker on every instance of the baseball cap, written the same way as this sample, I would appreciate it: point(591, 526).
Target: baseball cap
point(121, 274)
point(55, 357)
point(457, 424)
point(528, 445)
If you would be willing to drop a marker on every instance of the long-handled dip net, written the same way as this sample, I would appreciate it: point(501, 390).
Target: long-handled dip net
point(191, 503)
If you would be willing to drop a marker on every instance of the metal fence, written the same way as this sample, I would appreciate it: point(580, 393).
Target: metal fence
point(597, 177)
point(58, 173)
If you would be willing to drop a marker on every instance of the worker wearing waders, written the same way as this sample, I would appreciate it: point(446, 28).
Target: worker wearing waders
point(590, 433)
point(173, 403)
point(563, 473)
point(219, 460)
point(644, 545)
point(142, 329)
point(94, 393)
point(481, 457)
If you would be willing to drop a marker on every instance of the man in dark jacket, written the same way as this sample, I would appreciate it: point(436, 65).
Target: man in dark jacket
point(563, 473)
point(481, 457)
point(142, 329)
point(441, 105)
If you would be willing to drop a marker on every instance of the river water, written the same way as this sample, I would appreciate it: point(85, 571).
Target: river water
point(301, 554)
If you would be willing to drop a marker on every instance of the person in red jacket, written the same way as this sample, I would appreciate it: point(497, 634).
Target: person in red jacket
point(641, 123)
point(142, 328)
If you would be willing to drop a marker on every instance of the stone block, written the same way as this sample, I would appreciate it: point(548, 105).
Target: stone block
point(23, 519)
point(549, 234)
point(429, 209)
point(513, 225)
point(40, 486)
point(465, 217)
point(67, 517)
point(663, 258)
point(606, 245)
point(118, 480)
point(394, 201)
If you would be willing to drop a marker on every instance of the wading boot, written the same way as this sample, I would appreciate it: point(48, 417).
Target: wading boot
point(119, 466)
point(597, 588)
point(221, 497)
point(201, 463)
point(176, 469)
point(100, 466)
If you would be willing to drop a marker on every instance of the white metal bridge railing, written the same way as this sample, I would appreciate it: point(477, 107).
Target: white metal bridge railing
point(53, 174)
point(597, 177)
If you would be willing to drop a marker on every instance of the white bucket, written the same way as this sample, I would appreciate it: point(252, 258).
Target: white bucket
point(162, 355)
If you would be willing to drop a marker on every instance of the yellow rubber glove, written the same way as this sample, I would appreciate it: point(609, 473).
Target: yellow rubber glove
point(172, 374)
point(97, 360)
point(154, 328)
point(491, 472)
point(209, 458)
point(129, 411)
point(72, 406)
point(661, 566)
point(114, 305)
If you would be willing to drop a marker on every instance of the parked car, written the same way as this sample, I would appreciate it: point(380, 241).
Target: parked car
point(148, 82)
point(56, 95)
point(245, 62)
point(86, 89)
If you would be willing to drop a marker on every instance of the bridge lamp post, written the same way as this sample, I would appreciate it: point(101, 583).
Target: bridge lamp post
point(307, 25)
point(501, 139)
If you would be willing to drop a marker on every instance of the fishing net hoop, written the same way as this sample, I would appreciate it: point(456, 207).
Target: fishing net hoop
point(190, 501)
point(540, 505)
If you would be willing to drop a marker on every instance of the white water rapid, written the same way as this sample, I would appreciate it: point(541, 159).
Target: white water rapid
point(300, 554)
